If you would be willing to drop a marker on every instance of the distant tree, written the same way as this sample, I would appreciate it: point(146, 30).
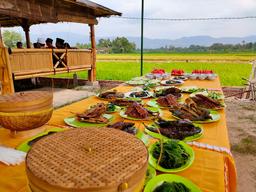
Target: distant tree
point(10, 38)
point(122, 45)
point(83, 46)
point(104, 43)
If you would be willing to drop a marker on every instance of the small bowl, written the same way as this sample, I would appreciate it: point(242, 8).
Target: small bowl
point(202, 76)
point(211, 76)
point(193, 76)
point(150, 76)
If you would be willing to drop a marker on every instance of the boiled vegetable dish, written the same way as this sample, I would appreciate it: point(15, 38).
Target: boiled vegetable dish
point(173, 154)
point(171, 187)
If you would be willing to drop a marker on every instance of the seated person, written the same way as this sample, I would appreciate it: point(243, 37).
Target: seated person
point(19, 45)
point(59, 43)
point(36, 45)
point(49, 43)
point(67, 46)
point(41, 42)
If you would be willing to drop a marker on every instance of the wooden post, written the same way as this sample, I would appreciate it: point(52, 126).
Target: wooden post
point(26, 27)
point(92, 72)
point(1, 39)
point(5, 72)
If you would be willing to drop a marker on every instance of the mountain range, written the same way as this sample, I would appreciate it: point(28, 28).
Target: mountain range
point(149, 43)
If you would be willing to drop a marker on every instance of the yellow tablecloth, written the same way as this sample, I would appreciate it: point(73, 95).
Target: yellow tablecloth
point(212, 171)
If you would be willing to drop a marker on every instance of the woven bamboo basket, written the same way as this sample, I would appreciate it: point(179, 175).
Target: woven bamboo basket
point(25, 110)
point(87, 159)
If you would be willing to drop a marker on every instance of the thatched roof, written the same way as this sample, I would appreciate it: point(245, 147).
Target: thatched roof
point(29, 12)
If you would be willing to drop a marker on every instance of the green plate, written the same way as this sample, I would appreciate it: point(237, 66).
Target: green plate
point(158, 180)
point(151, 173)
point(190, 138)
point(153, 103)
point(122, 114)
point(72, 121)
point(25, 147)
point(214, 114)
point(145, 138)
point(153, 161)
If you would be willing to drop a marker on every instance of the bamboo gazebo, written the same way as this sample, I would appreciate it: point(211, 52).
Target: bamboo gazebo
point(29, 62)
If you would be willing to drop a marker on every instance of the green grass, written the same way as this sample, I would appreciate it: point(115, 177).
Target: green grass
point(225, 57)
point(230, 73)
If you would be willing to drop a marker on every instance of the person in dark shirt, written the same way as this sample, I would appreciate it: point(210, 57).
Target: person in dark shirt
point(36, 45)
point(60, 43)
point(49, 43)
point(19, 45)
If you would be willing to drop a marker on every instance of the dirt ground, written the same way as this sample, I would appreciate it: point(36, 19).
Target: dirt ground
point(241, 121)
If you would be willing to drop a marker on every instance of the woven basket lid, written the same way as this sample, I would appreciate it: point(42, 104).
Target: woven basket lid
point(26, 101)
point(87, 159)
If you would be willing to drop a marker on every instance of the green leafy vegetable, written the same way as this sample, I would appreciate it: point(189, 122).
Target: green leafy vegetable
point(172, 187)
point(173, 154)
point(215, 95)
point(111, 107)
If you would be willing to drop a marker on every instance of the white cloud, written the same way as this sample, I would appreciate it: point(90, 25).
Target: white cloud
point(169, 9)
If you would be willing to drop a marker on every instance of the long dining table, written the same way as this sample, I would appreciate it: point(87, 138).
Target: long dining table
point(213, 169)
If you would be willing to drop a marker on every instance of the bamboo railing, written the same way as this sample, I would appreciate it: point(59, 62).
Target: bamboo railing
point(29, 63)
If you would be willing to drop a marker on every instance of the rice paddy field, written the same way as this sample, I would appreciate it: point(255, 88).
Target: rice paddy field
point(230, 67)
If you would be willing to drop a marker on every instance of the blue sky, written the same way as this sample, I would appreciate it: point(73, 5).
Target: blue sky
point(167, 9)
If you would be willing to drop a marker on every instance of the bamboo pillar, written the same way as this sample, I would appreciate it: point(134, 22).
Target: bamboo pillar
point(1, 39)
point(5, 72)
point(26, 27)
point(92, 72)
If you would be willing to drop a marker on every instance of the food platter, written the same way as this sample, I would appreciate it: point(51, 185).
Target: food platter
point(172, 82)
point(110, 95)
point(158, 180)
point(214, 114)
point(153, 161)
point(161, 136)
point(164, 91)
point(206, 102)
point(192, 89)
point(153, 103)
point(138, 94)
point(153, 109)
point(211, 94)
point(73, 122)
